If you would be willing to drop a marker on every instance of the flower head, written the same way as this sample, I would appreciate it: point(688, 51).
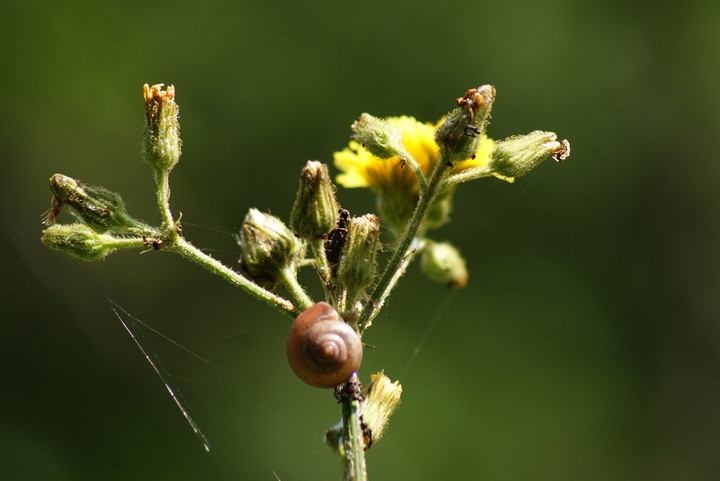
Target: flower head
point(394, 183)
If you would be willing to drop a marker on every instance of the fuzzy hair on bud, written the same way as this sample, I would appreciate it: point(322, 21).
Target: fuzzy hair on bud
point(442, 262)
point(161, 146)
point(96, 206)
point(315, 212)
point(460, 135)
point(518, 155)
point(358, 264)
point(379, 137)
point(78, 241)
point(267, 246)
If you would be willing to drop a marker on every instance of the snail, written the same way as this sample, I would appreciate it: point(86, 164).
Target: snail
point(322, 349)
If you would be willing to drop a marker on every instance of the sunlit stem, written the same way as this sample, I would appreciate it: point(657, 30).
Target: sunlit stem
point(162, 177)
point(353, 448)
point(288, 276)
point(466, 176)
point(410, 160)
point(323, 267)
point(386, 283)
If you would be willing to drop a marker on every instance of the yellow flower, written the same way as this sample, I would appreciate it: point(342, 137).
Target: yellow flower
point(393, 182)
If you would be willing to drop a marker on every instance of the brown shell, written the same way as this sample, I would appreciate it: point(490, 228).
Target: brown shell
point(322, 349)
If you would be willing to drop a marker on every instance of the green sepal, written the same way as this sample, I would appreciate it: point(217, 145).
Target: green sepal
point(518, 155)
point(358, 264)
point(315, 212)
point(460, 135)
point(78, 241)
point(96, 206)
point(268, 246)
point(442, 262)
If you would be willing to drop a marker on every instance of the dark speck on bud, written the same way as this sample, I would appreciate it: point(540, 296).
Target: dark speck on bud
point(315, 212)
point(518, 155)
point(563, 152)
point(460, 135)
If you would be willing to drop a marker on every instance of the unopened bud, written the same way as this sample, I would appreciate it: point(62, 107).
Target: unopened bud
point(516, 156)
point(96, 206)
point(460, 135)
point(78, 241)
point(315, 212)
point(442, 262)
point(358, 264)
point(378, 136)
point(161, 146)
point(267, 246)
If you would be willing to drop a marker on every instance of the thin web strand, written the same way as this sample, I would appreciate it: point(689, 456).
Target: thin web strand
point(164, 377)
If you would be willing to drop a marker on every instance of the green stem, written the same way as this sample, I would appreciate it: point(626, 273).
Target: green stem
point(289, 280)
point(467, 175)
point(384, 286)
point(125, 242)
point(189, 251)
point(162, 178)
point(323, 266)
point(410, 160)
point(353, 448)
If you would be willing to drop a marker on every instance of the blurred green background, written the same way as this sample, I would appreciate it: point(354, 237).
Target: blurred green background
point(586, 346)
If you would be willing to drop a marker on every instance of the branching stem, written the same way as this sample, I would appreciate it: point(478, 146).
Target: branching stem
point(290, 281)
point(401, 254)
point(189, 251)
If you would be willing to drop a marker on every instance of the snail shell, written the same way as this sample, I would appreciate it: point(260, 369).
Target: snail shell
point(322, 349)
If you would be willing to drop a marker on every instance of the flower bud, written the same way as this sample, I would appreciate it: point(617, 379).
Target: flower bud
point(442, 262)
point(382, 397)
point(381, 400)
point(267, 246)
point(94, 205)
point(378, 136)
point(357, 267)
point(315, 212)
point(78, 241)
point(518, 155)
point(460, 135)
point(161, 146)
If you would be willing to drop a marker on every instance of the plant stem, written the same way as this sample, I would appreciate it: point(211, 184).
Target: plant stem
point(322, 265)
point(162, 178)
point(353, 449)
point(467, 175)
point(125, 243)
point(410, 160)
point(289, 280)
point(189, 251)
point(386, 283)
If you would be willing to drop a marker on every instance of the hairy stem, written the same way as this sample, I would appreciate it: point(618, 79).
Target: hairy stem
point(386, 283)
point(467, 175)
point(289, 280)
point(189, 251)
point(410, 160)
point(323, 266)
point(353, 448)
point(162, 178)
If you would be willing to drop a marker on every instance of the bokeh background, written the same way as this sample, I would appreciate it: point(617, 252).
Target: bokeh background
point(586, 346)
